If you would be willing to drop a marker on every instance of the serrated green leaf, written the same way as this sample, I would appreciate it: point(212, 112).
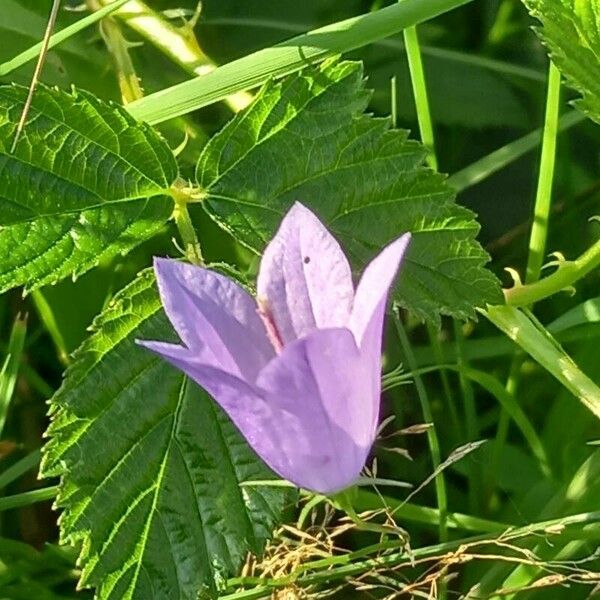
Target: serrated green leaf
point(150, 465)
point(306, 139)
point(571, 31)
point(85, 183)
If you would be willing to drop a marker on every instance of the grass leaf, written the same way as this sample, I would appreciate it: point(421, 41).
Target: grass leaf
point(286, 58)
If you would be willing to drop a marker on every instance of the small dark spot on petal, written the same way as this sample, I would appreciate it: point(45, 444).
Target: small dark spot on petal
point(306, 260)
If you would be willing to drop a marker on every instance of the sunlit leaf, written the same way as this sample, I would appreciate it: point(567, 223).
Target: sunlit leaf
point(85, 182)
point(571, 31)
point(150, 467)
point(306, 139)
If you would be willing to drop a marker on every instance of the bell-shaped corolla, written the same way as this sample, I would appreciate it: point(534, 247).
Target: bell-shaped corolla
point(298, 369)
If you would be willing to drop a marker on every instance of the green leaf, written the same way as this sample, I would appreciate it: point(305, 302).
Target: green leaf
point(286, 57)
point(85, 183)
point(538, 342)
point(305, 139)
point(571, 31)
point(10, 366)
point(150, 465)
point(582, 314)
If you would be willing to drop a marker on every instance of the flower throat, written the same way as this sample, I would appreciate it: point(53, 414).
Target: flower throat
point(264, 312)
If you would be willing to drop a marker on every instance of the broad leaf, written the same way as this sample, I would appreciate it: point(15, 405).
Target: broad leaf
point(150, 466)
point(305, 139)
point(571, 31)
point(85, 183)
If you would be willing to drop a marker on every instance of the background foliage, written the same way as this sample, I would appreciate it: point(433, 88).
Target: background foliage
point(151, 469)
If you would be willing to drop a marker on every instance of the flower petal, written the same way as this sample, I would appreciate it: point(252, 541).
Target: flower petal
point(214, 317)
point(274, 433)
point(366, 320)
point(257, 422)
point(325, 423)
point(373, 287)
point(304, 277)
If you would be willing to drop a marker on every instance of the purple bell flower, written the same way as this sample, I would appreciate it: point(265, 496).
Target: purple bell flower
point(298, 370)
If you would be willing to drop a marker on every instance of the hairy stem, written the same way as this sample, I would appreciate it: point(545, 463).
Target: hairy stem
point(186, 230)
point(117, 46)
point(567, 274)
point(178, 43)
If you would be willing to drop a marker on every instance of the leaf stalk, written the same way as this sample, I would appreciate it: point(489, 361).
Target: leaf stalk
point(183, 222)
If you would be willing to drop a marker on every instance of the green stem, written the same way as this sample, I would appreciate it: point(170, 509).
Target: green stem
point(419, 87)
point(344, 501)
point(500, 158)
point(537, 248)
point(432, 438)
point(502, 23)
point(543, 348)
point(438, 354)
point(177, 43)
point(47, 317)
point(394, 101)
point(21, 467)
point(10, 368)
point(426, 515)
point(118, 48)
point(539, 228)
point(188, 235)
point(567, 274)
point(508, 402)
point(502, 428)
point(27, 498)
point(475, 474)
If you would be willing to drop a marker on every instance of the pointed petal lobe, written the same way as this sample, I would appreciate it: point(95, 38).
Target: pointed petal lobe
point(275, 434)
point(366, 321)
point(214, 317)
point(374, 286)
point(304, 277)
point(251, 415)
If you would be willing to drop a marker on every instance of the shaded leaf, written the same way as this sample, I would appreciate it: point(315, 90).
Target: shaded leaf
point(460, 94)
